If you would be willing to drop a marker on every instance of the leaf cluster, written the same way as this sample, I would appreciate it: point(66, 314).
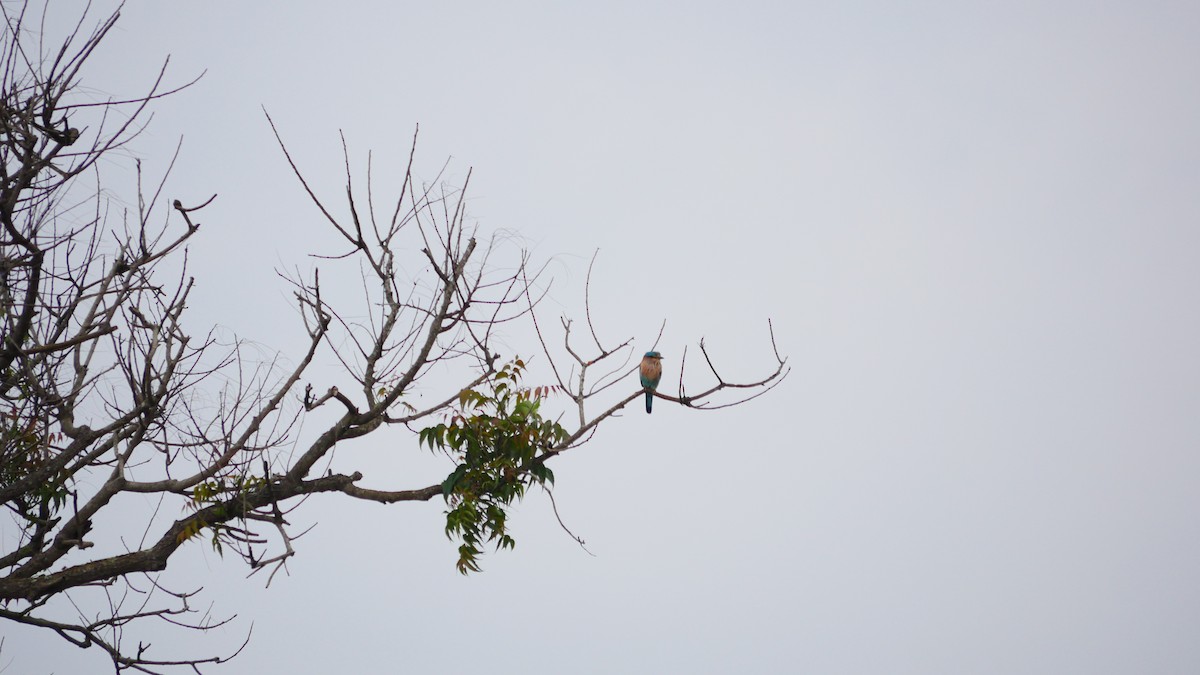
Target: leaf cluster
point(221, 491)
point(26, 448)
point(498, 438)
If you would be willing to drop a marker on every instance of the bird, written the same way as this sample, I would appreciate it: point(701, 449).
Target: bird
point(651, 373)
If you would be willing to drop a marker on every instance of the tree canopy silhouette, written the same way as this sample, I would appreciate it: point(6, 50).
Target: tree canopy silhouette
point(107, 390)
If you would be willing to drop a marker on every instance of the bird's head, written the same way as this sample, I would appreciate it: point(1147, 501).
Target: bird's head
point(653, 355)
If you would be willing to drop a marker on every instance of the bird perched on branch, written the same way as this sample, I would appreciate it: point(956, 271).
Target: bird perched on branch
point(651, 373)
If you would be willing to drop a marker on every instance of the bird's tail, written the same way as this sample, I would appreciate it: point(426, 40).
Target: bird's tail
point(649, 401)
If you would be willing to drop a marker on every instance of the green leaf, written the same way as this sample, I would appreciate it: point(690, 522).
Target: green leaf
point(542, 473)
point(452, 480)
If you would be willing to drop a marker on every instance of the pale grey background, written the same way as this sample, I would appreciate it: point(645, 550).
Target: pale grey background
point(975, 225)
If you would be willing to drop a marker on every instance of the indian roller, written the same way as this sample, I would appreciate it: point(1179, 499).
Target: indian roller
point(651, 373)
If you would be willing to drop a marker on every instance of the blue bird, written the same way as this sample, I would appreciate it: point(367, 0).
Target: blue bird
point(651, 373)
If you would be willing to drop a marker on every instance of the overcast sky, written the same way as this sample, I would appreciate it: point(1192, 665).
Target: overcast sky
point(976, 227)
